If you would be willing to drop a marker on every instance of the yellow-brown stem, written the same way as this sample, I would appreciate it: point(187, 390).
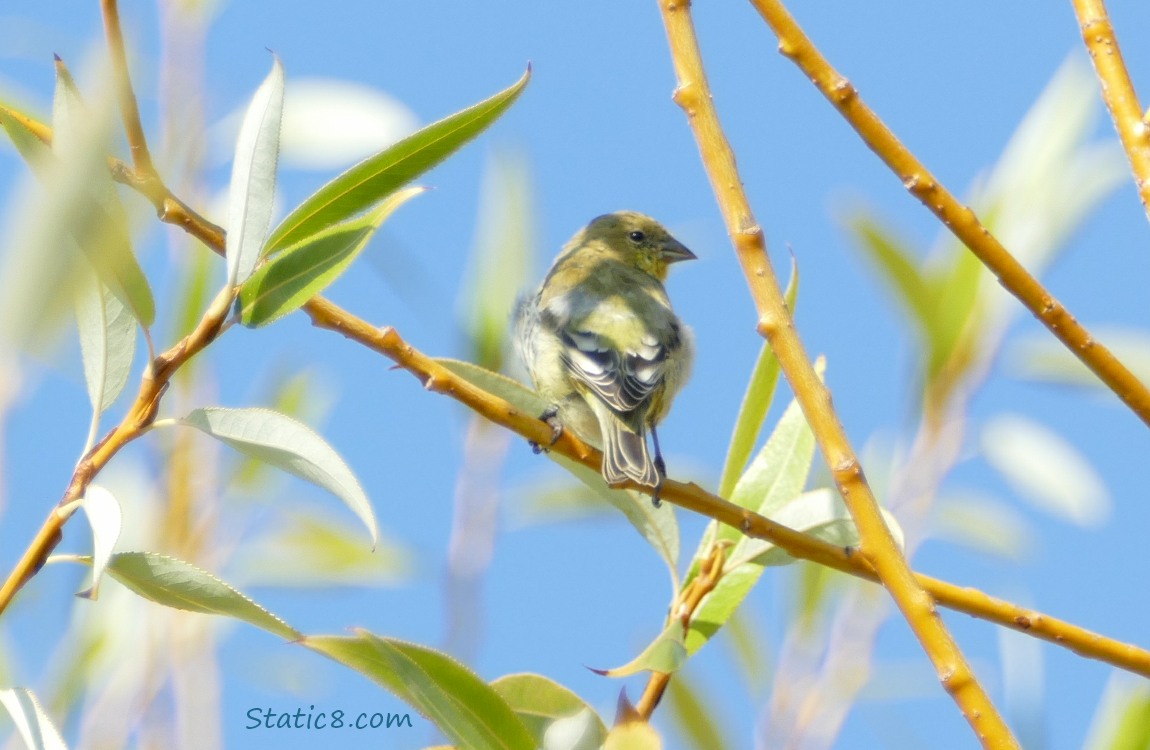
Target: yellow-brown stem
point(129, 111)
point(1117, 91)
point(958, 218)
point(775, 323)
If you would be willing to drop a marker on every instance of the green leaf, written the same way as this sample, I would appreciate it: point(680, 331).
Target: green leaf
point(98, 221)
point(1045, 469)
point(378, 176)
point(664, 654)
point(633, 735)
point(657, 525)
point(555, 716)
point(288, 281)
point(253, 186)
point(470, 712)
point(774, 479)
point(898, 267)
point(32, 722)
point(105, 518)
point(1122, 720)
point(756, 402)
point(305, 550)
point(690, 710)
point(181, 585)
point(501, 260)
point(285, 443)
point(107, 345)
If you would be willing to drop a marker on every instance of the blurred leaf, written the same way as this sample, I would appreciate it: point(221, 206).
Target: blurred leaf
point(1042, 359)
point(751, 649)
point(957, 314)
point(107, 343)
point(459, 703)
point(633, 735)
point(982, 524)
point(500, 261)
point(253, 185)
point(664, 654)
point(1122, 720)
point(1045, 469)
point(196, 267)
point(690, 710)
point(657, 525)
point(290, 445)
point(105, 518)
point(180, 585)
point(288, 281)
point(563, 501)
point(775, 477)
point(378, 176)
point(100, 226)
point(756, 402)
point(33, 724)
point(819, 513)
point(314, 551)
point(367, 120)
point(555, 716)
point(899, 268)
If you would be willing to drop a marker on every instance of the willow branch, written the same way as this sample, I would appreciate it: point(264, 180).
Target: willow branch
point(958, 218)
point(129, 111)
point(135, 423)
point(1117, 91)
point(775, 323)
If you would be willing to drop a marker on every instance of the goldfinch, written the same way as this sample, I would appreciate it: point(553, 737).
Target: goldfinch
point(602, 344)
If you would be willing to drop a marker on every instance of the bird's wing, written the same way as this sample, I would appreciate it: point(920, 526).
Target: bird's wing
point(624, 380)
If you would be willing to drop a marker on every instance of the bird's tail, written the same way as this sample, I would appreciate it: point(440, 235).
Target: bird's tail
point(625, 454)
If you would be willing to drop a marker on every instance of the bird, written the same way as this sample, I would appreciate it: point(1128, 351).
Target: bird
point(603, 345)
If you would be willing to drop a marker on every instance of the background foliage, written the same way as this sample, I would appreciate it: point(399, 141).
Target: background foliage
point(1007, 469)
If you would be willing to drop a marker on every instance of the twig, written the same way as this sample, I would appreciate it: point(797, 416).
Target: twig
point(1117, 91)
point(134, 424)
point(775, 323)
point(959, 219)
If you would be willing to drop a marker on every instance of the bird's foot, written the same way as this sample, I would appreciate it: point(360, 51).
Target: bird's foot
point(550, 415)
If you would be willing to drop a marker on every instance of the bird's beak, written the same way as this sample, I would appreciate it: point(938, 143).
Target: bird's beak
point(675, 251)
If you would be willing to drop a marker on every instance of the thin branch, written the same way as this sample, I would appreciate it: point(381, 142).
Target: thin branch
point(959, 219)
point(129, 111)
point(135, 423)
point(1117, 91)
point(775, 323)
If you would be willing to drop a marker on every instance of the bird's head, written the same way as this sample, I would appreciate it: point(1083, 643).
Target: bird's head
point(638, 241)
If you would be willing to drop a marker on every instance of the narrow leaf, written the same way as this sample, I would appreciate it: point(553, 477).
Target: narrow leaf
point(657, 525)
point(692, 711)
point(774, 479)
point(252, 192)
point(105, 518)
point(97, 220)
point(756, 402)
point(555, 716)
point(898, 267)
point(462, 706)
point(1045, 469)
point(181, 585)
point(107, 343)
point(290, 445)
point(289, 280)
point(32, 722)
point(373, 179)
point(665, 654)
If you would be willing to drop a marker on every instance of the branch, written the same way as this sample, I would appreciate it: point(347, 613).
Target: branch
point(777, 326)
point(959, 219)
point(1117, 91)
point(435, 377)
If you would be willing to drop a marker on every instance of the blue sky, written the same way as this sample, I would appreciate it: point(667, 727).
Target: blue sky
point(598, 132)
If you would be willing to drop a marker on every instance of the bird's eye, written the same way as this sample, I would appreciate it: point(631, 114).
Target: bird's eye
point(637, 236)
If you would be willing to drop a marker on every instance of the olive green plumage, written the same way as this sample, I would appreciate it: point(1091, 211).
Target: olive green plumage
point(602, 343)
